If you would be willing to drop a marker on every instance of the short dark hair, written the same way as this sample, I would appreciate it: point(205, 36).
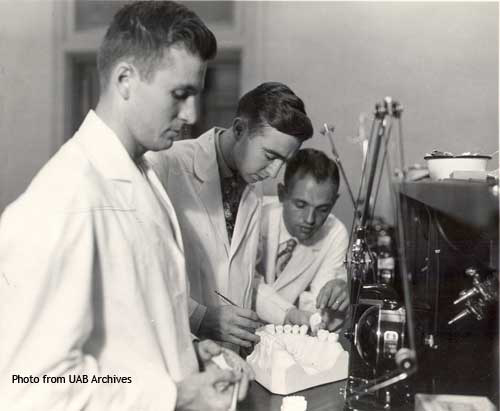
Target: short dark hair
point(312, 162)
point(144, 29)
point(274, 104)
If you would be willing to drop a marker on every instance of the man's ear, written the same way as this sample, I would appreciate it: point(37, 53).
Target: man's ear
point(122, 78)
point(240, 127)
point(281, 192)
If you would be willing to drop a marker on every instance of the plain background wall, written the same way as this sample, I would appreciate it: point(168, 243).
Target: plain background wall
point(440, 60)
point(26, 93)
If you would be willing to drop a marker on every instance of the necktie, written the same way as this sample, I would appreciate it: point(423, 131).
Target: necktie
point(285, 251)
point(232, 190)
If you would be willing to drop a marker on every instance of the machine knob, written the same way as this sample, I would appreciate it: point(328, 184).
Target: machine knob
point(405, 358)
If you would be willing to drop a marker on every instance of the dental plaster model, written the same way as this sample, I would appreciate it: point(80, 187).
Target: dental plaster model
point(287, 361)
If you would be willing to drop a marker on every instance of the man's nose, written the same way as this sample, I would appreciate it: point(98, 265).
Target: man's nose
point(274, 168)
point(189, 111)
point(310, 216)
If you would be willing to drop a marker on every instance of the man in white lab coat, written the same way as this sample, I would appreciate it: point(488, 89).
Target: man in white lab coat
point(93, 298)
point(303, 246)
point(214, 184)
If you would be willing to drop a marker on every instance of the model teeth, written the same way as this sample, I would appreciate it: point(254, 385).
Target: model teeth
point(323, 335)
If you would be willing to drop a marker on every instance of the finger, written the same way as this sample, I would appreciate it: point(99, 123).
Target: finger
point(344, 305)
point(208, 349)
point(223, 397)
point(238, 341)
point(243, 387)
point(333, 298)
point(220, 376)
point(243, 312)
point(243, 322)
point(238, 364)
point(341, 297)
point(245, 335)
point(322, 299)
point(242, 366)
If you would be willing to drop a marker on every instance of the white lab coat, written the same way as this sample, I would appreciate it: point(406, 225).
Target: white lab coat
point(190, 173)
point(93, 282)
point(311, 265)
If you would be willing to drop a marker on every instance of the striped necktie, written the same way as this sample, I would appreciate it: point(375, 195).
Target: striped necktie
point(285, 251)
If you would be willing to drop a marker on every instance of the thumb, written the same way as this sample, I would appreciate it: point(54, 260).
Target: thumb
point(208, 349)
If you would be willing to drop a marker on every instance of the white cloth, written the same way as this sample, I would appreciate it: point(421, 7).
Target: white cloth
point(93, 283)
point(312, 264)
point(190, 173)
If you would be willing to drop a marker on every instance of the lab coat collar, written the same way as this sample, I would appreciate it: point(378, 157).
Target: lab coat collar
point(132, 189)
point(105, 149)
point(204, 157)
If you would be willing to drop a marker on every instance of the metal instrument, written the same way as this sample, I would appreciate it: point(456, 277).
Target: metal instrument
point(381, 328)
point(477, 298)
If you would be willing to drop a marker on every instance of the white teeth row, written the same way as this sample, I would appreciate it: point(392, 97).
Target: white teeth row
point(323, 335)
point(287, 329)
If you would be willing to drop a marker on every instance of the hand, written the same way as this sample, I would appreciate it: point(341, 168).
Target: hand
point(332, 320)
point(210, 390)
point(333, 295)
point(242, 370)
point(231, 324)
point(207, 349)
point(296, 316)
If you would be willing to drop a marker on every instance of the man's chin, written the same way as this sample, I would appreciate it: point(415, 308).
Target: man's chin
point(303, 236)
point(166, 144)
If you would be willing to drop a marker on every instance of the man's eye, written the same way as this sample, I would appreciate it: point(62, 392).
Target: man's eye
point(299, 204)
point(180, 95)
point(270, 157)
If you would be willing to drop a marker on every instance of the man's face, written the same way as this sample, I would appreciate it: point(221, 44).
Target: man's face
point(260, 155)
point(306, 204)
point(160, 106)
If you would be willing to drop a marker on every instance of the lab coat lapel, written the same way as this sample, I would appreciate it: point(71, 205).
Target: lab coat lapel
point(168, 207)
point(110, 158)
point(301, 260)
point(208, 185)
point(129, 185)
point(249, 204)
point(273, 232)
